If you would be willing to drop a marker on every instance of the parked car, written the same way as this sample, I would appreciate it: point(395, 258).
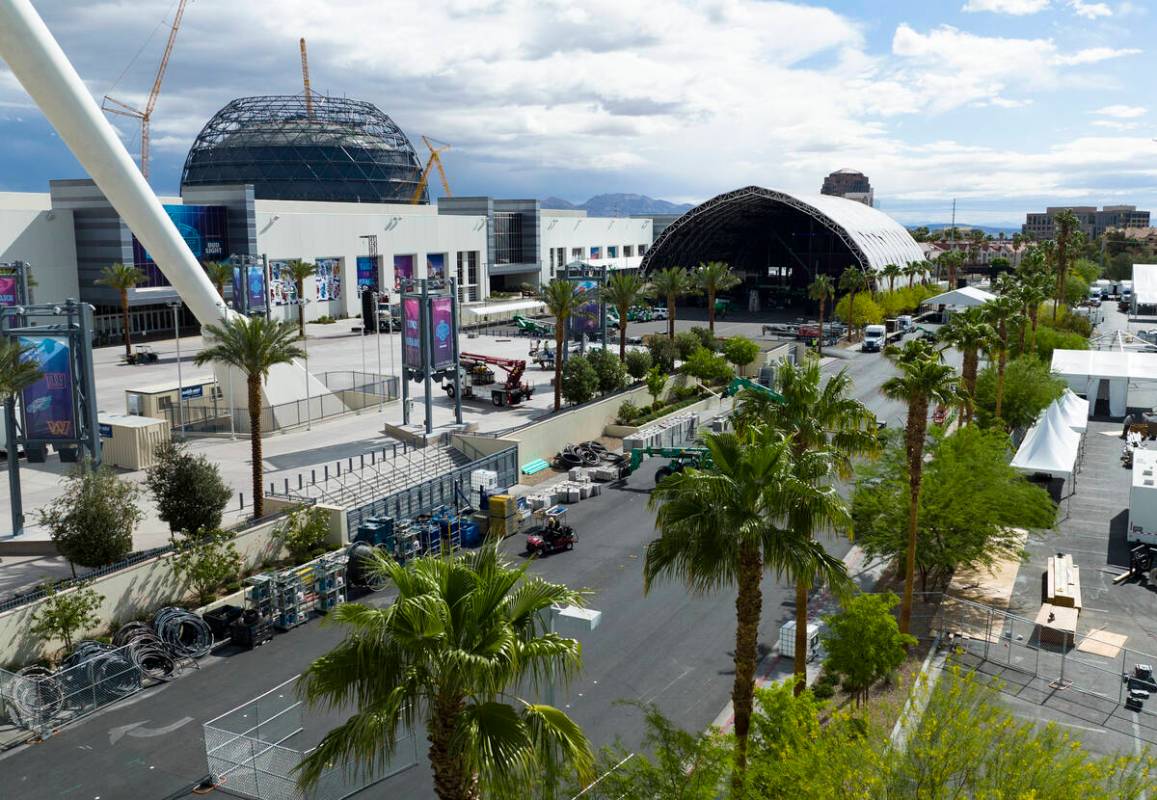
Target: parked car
point(659, 312)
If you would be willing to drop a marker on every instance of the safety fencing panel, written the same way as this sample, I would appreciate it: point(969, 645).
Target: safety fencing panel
point(254, 751)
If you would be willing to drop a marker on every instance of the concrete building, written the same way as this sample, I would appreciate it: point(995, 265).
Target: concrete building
point(31, 230)
point(850, 185)
point(1093, 222)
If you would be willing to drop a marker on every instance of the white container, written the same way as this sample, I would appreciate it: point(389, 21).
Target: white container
point(787, 639)
point(596, 489)
point(1143, 498)
point(577, 473)
point(573, 494)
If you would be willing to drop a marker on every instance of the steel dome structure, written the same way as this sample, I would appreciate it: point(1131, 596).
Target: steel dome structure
point(332, 149)
point(756, 230)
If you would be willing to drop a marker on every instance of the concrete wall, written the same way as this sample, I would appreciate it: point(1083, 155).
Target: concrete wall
point(576, 235)
point(31, 231)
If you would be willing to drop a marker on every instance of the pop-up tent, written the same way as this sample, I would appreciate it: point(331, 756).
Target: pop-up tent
point(1049, 448)
point(1094, 373)
point(961, 298)
point(1071, 410)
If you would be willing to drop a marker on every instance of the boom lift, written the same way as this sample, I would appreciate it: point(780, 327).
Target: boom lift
point(681, 458)
point(739, 384)
point(476, 372)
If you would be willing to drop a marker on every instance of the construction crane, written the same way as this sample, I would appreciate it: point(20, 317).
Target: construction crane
point(125, 110)
point(305, 80)
point(436, 149)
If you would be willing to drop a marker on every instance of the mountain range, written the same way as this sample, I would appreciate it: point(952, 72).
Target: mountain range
point(619, 205)
point(991, 230)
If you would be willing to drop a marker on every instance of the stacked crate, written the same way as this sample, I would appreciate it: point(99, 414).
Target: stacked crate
point(503, 515)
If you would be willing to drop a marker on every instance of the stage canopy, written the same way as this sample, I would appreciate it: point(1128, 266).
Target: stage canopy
point(961, 298)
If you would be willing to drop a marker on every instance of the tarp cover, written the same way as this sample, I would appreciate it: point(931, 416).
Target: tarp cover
point(961, 298)
point(1050, 448)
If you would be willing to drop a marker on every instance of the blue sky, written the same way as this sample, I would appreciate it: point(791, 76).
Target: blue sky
point(1006, 105)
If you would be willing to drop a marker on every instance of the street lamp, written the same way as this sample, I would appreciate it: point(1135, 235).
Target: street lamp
point(176, 306)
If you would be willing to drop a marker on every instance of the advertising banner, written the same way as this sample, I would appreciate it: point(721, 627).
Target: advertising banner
point(255, 286)
point(411, 333)
point(8, 290)
point(436, 267)
point(586, 319)
point(403, 272)
point(204, 229)
point(328, 277)
point(368, 267)
point(238, 285)
point(443, 324)
point(282, 289)
point(49, 411)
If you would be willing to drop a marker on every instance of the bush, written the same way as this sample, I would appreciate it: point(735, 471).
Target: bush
point(627, 412)
point(708, 367)
point(1088, 270)
point(740, 351)
point(205, 561)
point(706, 338)
point(304, 534)
point(92, 522)
point(867, 311)
point(686, 343)
point(66, 613)
point(579, 380)
point(1049, 339)
point(656, 383)
point(325, 319)
point(1029, 387)
point(612, 374)
point(663, 352)
point(864, 643)
point(1076, 288)
point(188, 489)
point(638, 362)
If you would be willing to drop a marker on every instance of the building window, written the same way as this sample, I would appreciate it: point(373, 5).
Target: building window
point(576, 254)
point(508, 237)
point(552, 261)
point(642, 249)
point(596, 253)
point(628, 250)
point(612, 251)
point(562, 256)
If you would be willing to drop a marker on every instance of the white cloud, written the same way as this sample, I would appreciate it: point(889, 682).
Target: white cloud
point(1092, 55)
point(1014, 7)
point(1121, 111)
point(1116, 125)
point(1090, 10)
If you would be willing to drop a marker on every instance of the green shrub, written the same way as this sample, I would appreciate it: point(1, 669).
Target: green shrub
point(611, 371)
point(686, 342)
point(92, 522)
point(1076, 288)
point(188, 489)
point(305, 533)
point(867, 311)
point(66, 613)
point(706, 338)
point(663, 352)
point(1049, 339)
point(627, 412)
point(656, 382)
point(638, 362)
point(579, 380)
point(740, 351)
point(325, 319)
point(708, 367)
point(205, 562)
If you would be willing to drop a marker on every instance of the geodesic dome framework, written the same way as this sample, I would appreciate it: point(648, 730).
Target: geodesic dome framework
point(334, 149)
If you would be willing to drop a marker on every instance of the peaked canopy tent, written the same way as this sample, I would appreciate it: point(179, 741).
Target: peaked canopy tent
point(966, 297)
point(1144, 285)
point(1049, 448)
point(1105, 374)
point(1071, 410)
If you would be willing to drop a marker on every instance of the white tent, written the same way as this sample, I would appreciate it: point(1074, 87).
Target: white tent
point(1085, 370)
point(961, 298)
point(1145, 284)
point(1050, 448)
point(1072, 411)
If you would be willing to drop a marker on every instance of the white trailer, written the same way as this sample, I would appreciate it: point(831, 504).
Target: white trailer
point(1143, 498)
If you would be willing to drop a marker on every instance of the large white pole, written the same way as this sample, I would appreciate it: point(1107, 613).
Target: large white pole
point(46, 74)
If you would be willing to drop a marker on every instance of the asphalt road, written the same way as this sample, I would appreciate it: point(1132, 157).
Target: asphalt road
point(667, 647)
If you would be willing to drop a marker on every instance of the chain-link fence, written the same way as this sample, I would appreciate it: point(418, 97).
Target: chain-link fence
point(253, 751)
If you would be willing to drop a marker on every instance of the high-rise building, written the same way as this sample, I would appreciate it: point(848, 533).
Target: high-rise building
point(850, 185)
point(1093, 223)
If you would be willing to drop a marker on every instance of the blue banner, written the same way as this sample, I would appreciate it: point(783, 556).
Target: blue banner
point(49, 411)
point(255, 286)
point(367, 268)
point(443, 323)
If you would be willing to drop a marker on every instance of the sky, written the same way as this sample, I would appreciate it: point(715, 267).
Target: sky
point(1004, 105)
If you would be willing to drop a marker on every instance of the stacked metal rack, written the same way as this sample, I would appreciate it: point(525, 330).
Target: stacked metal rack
point(285, 599)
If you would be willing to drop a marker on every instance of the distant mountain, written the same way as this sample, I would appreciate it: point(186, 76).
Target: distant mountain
point(992, 230)
point(620, 205)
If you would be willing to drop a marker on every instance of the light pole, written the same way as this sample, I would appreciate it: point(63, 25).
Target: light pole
point(176, 306)
point(229, 382)
point(305, 346)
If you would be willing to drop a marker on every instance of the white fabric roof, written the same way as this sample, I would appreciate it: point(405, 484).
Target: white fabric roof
point(1049, 447)
point(1105, 364)
point(883, 239)
point(504, 308)
point(1072, 411)
point(1145, 284)
point(968, 296)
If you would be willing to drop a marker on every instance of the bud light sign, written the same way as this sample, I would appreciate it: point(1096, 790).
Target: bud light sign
point(411, 333)
point(49, 412)
point(443, 321)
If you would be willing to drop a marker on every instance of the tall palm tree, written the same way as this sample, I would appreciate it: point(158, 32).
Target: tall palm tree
point(911, 270)
point(892, 272)
point(300, 270)
point(622, 291)
point(18, 368)
point(122, 277)
point(712, 278)
point(952, 261)
point(562, 302)
point(671, 284)
point(253, 345)
point(821, 290)
point(923, 379)
point(1002, 313)
point(816, 416)
point(219, 274)
point(853, 280)
point(721, 527)
point(969, 333)
point(1033, 290)
point(463, 634)
point(1066, 225)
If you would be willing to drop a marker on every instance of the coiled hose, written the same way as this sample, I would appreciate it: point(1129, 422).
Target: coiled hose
point(99, 669)
point(35, 696)
point(183, 632)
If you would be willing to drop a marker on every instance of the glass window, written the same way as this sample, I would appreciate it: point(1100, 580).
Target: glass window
point(596, 253)
point(576, 253)
point(612, 251)
point(642, 249)
point(628, 250)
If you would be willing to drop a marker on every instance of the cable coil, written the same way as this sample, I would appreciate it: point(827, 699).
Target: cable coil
point(183, 632)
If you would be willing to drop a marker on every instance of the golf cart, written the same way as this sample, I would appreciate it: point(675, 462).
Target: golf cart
point(550, 533)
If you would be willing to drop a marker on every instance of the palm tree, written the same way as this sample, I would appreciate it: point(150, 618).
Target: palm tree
point(721, 527)
point(1066, 225)
point(821, 290)
point(892, 272)
point(816, 416)
point(219, 274)
point(622, 291)
point(18, 368)
point(122, 277)
point(1001, 313)
point(923, 379)
point(969, 333)
point(253, 345)
point(852, 281)
point(1033, 290)
point(462, 635)
point(952, 260)
point(911, 270)
point(712, 278)
point(670, 284)
point(300, 270)
point(562, 302)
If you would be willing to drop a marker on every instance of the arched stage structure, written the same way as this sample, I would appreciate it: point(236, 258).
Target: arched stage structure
point(778, 242)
